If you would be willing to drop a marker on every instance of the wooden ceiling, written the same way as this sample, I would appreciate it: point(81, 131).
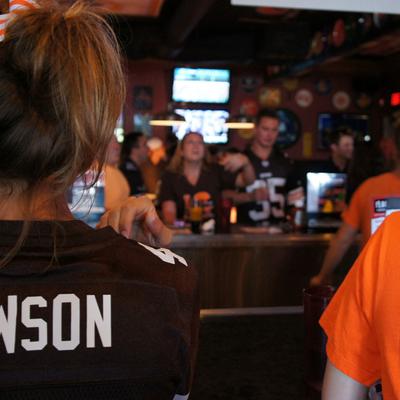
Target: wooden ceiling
point(213, 32)
point(137, 8)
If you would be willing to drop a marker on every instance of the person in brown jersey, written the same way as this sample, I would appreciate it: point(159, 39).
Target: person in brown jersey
point(84, 313)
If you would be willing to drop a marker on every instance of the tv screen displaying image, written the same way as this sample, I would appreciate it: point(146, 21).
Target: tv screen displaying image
point(201, 85)
point(210, 123)
point(326, 192)
point(329, 122)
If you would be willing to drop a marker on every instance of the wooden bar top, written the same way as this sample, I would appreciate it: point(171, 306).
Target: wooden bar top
point(256, 270)
point(250, 240)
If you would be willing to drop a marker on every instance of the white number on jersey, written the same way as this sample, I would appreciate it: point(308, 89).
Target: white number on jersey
point(276, 203)
point(165, 255)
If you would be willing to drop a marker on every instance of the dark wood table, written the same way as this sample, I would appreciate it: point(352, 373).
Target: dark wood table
point(256, 270)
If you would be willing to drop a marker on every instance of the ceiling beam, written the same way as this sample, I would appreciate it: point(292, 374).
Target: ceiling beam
point(368, 6)
point(185, 20)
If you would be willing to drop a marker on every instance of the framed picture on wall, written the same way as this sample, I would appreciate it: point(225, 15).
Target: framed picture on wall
point(141, 123)
point(289, 128)
point(142, 98)
point(329, 122)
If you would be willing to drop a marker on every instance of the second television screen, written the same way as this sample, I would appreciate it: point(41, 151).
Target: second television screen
point(201, 85)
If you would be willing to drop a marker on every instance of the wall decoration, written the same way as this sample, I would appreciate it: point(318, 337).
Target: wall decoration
point(396, 119)
point(323, 86)
point(272, 11)
point(289, 128)
point(270, 96)
point(338, 33)
point(290, 84)
point(366, 23)
point(317, 45)
point(307, 144)
point(249, 83)
point(304, 98)
point(341, 100)
point(273, 69)
point(142, 98)
point(329, 122)
point(141, 123)
point(379, 20)
point(245, 133)
point(364, 100)
point(249, 107)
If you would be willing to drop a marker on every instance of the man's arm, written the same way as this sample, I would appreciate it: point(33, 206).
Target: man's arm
point(247, 176)
point(338, 386)
point(337, 249)
point(238, 161)
point(260, 194)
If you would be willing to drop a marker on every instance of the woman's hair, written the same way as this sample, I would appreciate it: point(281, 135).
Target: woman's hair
point(176, 163)
point(61, 92)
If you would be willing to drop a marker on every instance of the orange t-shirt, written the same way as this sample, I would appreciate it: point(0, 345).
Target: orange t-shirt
point(361, 209)
point(362, 321)
point(116, 187)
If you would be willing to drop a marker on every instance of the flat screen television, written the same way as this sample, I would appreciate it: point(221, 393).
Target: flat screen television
point(201, 85)
point(210, 123)
point(328, 122)
point(326, 194)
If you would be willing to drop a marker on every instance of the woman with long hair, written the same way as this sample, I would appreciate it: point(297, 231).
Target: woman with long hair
point(192, 174)
point(83, 312)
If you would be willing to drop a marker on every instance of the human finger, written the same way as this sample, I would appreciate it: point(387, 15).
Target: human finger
point(159, 232)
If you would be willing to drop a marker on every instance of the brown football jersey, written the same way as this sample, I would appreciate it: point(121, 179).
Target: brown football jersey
point(102, 314)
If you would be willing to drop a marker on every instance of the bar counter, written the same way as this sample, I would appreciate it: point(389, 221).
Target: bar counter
point(256, 270)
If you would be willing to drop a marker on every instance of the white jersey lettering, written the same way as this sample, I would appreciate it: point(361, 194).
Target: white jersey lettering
point(38, 323)
point(165, 255)
point(8, 324)
point(58, 341)
point(102, 323)
point(98, 318)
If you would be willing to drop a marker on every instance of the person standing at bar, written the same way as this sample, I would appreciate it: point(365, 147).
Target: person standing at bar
point(364, 215)
point(191, 174)
point(134, 153)
point(116, 187)
point(362, 324)
point(266, 196)
point(342, 149)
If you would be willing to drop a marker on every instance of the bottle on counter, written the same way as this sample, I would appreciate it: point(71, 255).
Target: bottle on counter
point(297, 212)
point(195, 216)
point(223, 223)
point(299, 217)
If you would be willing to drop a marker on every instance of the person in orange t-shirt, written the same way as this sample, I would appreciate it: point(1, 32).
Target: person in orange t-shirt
point(365, 212)
point(362, 321)
point(116, 187)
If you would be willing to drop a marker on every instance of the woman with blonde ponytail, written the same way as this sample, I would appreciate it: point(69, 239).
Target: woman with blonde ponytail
point(84, 313)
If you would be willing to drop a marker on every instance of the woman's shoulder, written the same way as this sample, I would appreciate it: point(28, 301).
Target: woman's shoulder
point(155, 265)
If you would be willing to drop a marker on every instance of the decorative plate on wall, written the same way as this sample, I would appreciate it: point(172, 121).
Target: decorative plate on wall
point(323, 86)
point(289, 128)
point(304, 98)
point(341, 100)
point(270, 96)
